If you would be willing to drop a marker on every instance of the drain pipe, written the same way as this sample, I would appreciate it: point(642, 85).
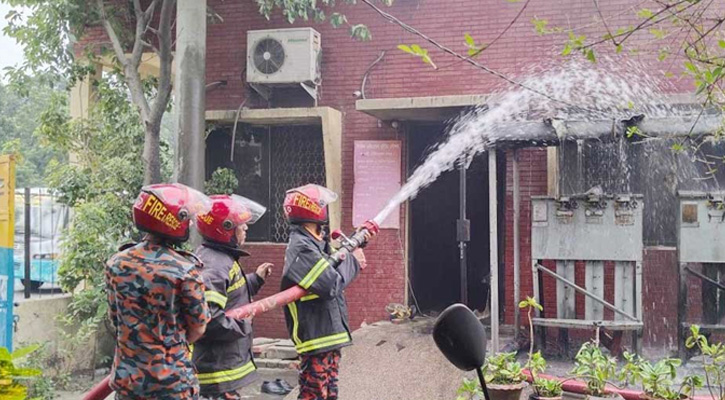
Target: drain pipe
point(579, 387)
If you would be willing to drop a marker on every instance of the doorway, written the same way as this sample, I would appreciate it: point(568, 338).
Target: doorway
point(434, 259)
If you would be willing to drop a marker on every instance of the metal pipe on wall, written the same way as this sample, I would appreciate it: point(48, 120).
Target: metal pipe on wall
point(517, 250)
point(463, 233)
point(26, 237)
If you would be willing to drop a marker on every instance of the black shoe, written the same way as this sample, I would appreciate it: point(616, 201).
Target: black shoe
point(273, 388)
point(284, 385)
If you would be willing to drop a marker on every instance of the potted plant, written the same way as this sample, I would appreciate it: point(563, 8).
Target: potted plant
point(596, 369)
point(657, 379)
point(546, 389)
point(504, 376)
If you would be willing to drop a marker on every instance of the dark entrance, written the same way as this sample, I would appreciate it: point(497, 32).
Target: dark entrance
point(434, 253)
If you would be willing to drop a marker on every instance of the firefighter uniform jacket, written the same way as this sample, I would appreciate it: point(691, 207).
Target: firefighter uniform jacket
point(318, 322)
point(223, 356)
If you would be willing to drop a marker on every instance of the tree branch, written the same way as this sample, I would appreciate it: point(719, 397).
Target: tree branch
point(503, 32)
point(644, 24)
point(115, 41)
point(130, 69)
point(140, 32)
point(604, 21)
point(165, 57)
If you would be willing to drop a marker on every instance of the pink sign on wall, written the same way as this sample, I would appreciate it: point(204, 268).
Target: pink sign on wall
point(377, 179)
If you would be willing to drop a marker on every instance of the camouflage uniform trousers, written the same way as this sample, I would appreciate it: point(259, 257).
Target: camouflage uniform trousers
point(318, 376)
point(193, 394)
point(223, 396)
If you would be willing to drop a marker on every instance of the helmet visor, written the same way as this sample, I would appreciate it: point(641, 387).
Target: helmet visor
point(252, 211)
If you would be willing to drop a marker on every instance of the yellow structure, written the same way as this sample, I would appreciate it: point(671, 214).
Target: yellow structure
point(7, 233)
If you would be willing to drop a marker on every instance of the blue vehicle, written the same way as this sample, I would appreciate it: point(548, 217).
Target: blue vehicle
point(48, 219)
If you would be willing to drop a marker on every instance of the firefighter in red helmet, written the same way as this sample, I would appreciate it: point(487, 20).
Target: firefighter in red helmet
point(317, 323)
point(156, 298)
point(223, 356)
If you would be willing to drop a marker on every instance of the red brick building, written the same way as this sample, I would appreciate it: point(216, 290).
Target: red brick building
point(420, 258)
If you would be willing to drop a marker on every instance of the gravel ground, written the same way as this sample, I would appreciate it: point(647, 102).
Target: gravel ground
point(396, 362)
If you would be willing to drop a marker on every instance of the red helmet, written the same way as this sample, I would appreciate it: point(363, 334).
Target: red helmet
point(166, 210)
point(227, 213)
point(308, 204)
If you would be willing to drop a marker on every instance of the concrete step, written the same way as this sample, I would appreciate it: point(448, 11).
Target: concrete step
point(276, 349)
point(276, 363)
point(281, 352)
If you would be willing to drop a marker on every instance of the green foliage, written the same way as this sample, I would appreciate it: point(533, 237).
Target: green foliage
point(101, 187)
point(42, 387)
point(305, 10)
point(223, 181)
point(469, 389)
point(473, 48)
point(530, 302)
point(548, 387)
point(13, 378)
point(503, 369)
point(47, 33)
point(595, 368)
point(657, 379)
point(418, 51)
point(19, 118)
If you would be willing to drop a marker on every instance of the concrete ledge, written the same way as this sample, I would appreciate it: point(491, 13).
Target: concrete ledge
point(273, 116)
point(435, 108)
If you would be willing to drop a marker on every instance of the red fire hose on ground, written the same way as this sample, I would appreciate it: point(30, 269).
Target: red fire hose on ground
point(103, 389)
point(579, 387)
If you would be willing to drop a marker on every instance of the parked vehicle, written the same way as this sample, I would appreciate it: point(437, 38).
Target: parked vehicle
point(48, 219)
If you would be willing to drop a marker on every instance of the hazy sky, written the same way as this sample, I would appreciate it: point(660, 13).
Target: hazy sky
point(10, 52)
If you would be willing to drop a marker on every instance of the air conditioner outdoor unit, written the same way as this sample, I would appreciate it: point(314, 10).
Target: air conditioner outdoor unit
point(284, 57)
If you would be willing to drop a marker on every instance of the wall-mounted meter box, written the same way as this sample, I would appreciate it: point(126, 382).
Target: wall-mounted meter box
point(587, 227)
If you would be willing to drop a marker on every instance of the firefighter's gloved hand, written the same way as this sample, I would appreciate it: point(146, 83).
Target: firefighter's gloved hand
point(360, 256)
point(264, 270)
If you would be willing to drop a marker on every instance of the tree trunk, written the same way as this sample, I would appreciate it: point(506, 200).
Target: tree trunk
point(151, 153)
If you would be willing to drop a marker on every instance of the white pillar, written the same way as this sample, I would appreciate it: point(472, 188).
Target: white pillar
point(493, 240)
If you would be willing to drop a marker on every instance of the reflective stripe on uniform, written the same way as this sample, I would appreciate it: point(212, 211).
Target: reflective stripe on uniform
point(325, 341)
point(236, 270)
point(226, 376)
point(310, 297)
point(237, 285)
point(314, 273)
point(295, 322)
point(217, 298)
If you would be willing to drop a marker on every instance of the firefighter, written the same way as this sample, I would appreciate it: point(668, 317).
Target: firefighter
point(318, 322)
point(223, 356)
point(156, 299)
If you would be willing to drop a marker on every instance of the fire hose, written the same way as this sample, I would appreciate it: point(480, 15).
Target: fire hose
point(348, 245)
